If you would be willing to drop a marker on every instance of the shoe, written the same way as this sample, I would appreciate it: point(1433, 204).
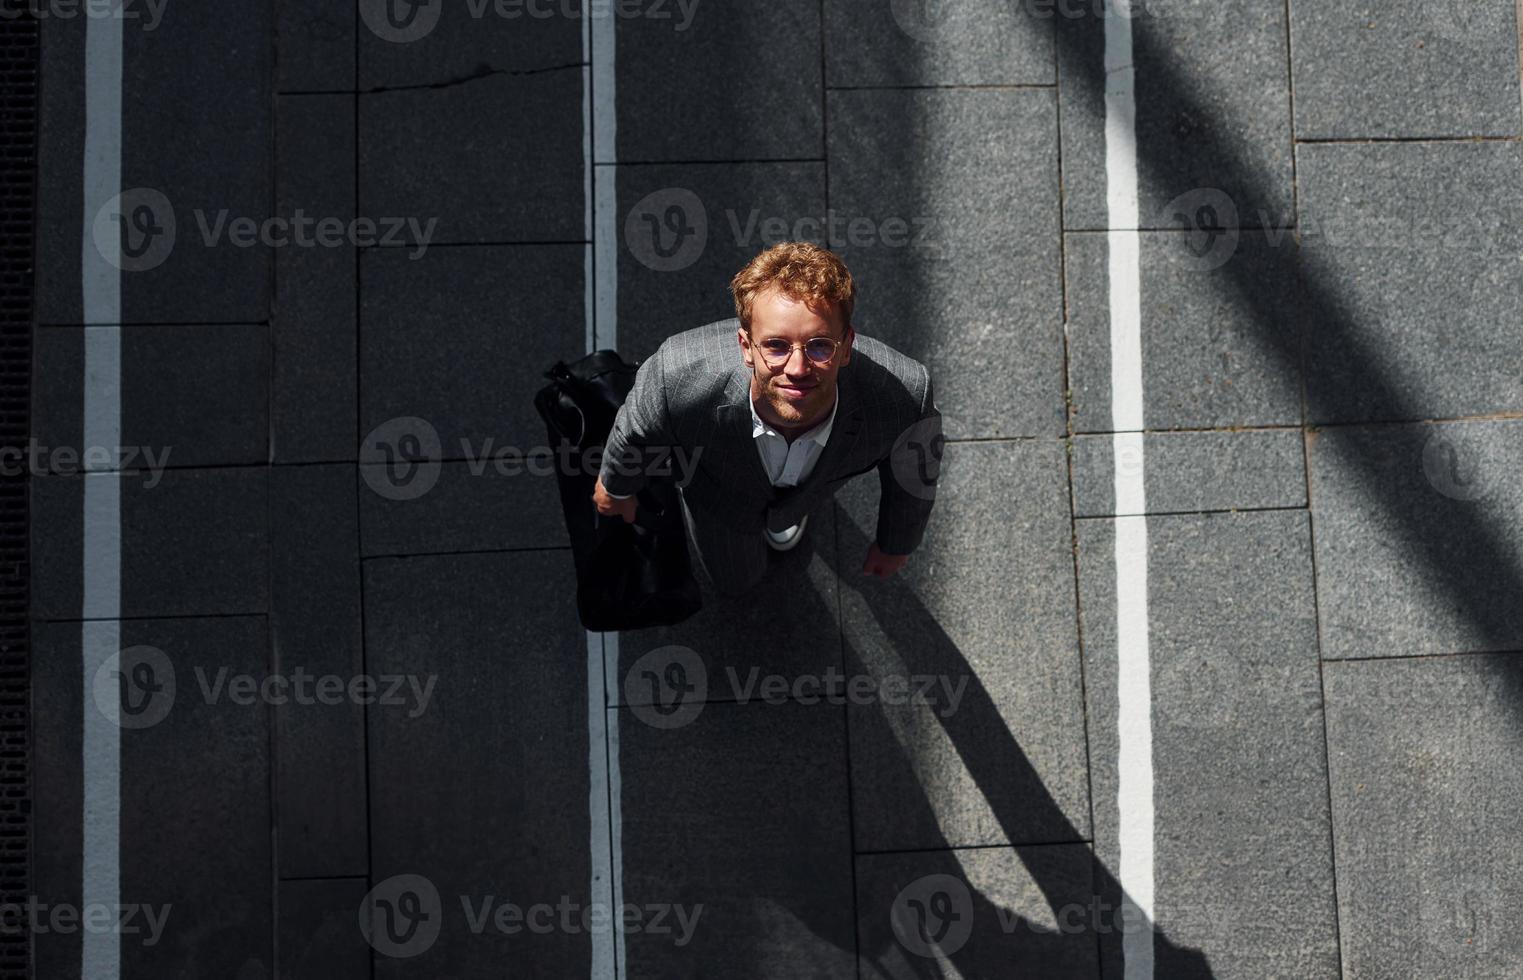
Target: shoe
point(789, 539)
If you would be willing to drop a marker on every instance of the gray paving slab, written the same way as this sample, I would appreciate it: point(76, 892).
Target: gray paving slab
point(675, 267)
point(1423, 758)
point(194, 543)
point(1409, 69)
point(1418, 529)
point(782, 639)
point(446, 43)
point(320, 937)
point(192, 251)
point(735, 81)
point(914, 43)
point(951, 236)
point(1194, 471)
point(461, 509)
point(1221, 326)
point(1415, 247)
point(737, 820)
point(971, 731)
point(482, 790)
point(194, 768)
point(314, 46)
point(461, 338)
point(191, 396)
point(1243, 861)
point(315, 630)
point(495, 159)
point(312, 389)
point(1213, 110)
point(998, 911)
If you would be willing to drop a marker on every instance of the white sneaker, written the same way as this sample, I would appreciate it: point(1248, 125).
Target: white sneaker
point(789, 539)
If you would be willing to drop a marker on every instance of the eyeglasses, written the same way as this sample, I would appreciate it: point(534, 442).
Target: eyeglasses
point(819, 350)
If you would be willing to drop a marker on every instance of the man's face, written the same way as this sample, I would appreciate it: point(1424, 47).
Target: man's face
point(798, 393)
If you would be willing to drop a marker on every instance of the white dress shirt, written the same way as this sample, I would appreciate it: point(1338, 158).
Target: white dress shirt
point(786, 464)
point(789, 463)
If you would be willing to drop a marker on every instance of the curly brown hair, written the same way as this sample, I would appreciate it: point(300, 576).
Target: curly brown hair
point(803, 271)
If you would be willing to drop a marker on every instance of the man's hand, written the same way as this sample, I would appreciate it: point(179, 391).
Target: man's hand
point(608, 506)
point(880, 564)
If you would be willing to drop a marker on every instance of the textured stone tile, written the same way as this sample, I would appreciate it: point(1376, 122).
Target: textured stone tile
point(496, 159)
point(1000, 911)
point(319, 930)
point(313, 325)
point(992, 751)
point(675, 267)
point(914, 43)
point(1213, 110)
point(735, 81)
point(194, 772)
point(314, 46)
point(450, 42)
point(461, 511)
point(1418, 529)
point(462, 337)
point(194, 543)
point(484, 790)
point(315, 629)
point(1422, 755)
point(1221, 329)
point(1405, 69)
point(186, 177)
point(784, 632)
point(1242, 868)
point(190, 396)
point(739, 819)
point(1194, 471)
point(952, 242)
point(1415, 248)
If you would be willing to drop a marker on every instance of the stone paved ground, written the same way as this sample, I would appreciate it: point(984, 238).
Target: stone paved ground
point(1331, 201)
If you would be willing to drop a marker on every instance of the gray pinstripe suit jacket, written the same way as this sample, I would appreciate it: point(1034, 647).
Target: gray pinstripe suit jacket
point(692, 395)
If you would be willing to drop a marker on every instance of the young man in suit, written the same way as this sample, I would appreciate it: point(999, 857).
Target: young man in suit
point(777, 409)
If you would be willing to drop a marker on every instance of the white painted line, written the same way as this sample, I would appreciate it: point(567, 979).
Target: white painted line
point(101, 572)
point(601, 305)
point(1134, 721)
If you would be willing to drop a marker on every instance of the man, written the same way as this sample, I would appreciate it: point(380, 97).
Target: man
point(778, 426)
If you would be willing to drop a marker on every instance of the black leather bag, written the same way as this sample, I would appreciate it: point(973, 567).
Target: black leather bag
point(629, 576)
